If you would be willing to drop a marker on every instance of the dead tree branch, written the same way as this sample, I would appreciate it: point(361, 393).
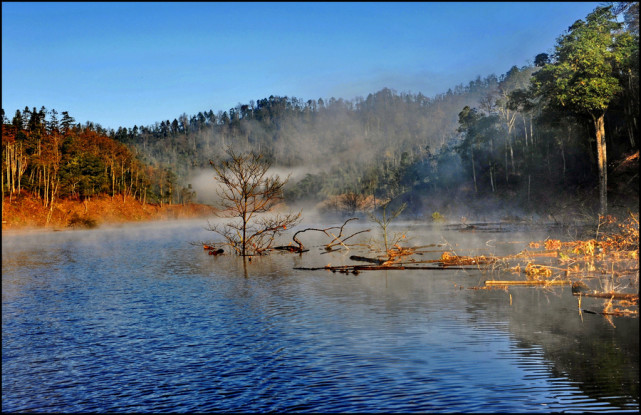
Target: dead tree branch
point(336, 238)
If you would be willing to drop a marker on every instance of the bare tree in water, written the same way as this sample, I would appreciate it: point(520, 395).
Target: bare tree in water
point(246, 193)
point(384, 221)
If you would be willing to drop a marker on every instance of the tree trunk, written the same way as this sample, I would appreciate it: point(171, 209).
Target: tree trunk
point(532, 131)
point(631, 126)
point(474, 172)
point(563, 148)
point(8, 164)
point(507, 170)
point(2, 186)
point(14, 167)
point(512, 157)
point(123, 185)
point(492, 176)
point(525, 130)
point(46, 185)
point(244, 233)
point(599, 127)
point(21, 168)
point(563, 157)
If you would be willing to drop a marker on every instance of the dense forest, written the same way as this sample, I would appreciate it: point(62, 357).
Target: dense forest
point(553, 129)
point(56, 158)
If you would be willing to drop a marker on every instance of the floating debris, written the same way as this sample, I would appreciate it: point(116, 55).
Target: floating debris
point(528, 282)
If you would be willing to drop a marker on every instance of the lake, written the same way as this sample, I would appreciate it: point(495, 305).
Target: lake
point(137, 319)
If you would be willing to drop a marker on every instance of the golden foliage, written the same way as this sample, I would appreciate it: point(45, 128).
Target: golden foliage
point(552, 244)
point(537, 272)
point(28, 212)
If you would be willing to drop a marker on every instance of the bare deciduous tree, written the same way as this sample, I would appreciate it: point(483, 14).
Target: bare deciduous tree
point(246, 192)
point(384, 221)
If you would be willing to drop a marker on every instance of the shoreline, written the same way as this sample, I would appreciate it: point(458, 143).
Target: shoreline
point(25, 213)
point(18, 231)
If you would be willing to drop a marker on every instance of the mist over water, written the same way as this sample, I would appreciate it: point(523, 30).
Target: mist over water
point(134, 318)
point(204, 182)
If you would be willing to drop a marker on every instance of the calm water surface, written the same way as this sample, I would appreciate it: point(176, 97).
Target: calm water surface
point(137, 319)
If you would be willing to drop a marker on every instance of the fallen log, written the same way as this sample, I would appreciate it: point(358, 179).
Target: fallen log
point(443, 267)
point(290, 248)
point(365, 259)
point(378, 267)
point(622, 313)
point(472, 262)
point(342, 268)
point(309, 268)
point(589, 312)
point(403, 267)
point(616, 296)
point(528, 282)
point(553, 254)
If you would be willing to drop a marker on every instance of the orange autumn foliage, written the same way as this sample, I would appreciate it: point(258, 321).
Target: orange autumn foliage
point(27, 212)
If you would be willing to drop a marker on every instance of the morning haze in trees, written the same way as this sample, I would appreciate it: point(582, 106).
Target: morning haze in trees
point(585, 75)
point(362, 146)
point(535, 137)
point(246, 192)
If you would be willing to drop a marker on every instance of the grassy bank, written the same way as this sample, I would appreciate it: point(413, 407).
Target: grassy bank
point(24, 211)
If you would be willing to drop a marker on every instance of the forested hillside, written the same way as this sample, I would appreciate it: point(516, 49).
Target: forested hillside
point(356, 145)
point(54, 158)
point(548, 131)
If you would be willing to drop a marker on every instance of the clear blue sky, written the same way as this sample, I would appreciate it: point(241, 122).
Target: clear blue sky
point(126, 64)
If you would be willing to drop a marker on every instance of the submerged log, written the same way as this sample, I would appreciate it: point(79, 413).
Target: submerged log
point(346, 268)
point(616, 296)
point(290, 248)
point(528, 282)
point(378, 267)
point(365, 259)
point(616, 313)
point(552, 254)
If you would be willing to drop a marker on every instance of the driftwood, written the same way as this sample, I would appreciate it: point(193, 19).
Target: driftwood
point(404, 267)
point(528, 282)
point(620, 313)
point(365, 259)
point(343, 268)
point(616, 296)
point(553, 254)
point(290, 248)
point(451, 261)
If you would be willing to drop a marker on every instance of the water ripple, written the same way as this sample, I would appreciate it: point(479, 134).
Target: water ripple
point(117, 322)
